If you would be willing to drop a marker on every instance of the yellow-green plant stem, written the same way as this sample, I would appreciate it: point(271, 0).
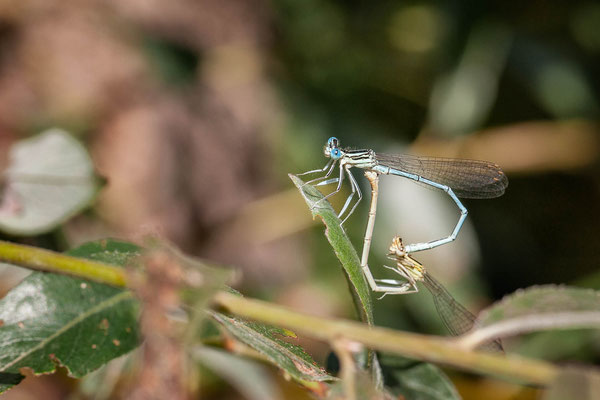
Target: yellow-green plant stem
point(421, 347)
point(45, 260)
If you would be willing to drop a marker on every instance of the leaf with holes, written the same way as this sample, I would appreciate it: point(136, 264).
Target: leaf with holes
point(49, 320)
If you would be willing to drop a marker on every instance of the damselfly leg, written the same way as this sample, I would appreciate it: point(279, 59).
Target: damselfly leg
point(457, 178)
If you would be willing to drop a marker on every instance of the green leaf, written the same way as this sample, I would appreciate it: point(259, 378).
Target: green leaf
point(49, 179)
point(548, 306)
point(538, 300)
point(342, 247)
point(416, 380)
point(50, 319)
point(345, 252)
point(266, 340)
point(559, 345)
point(537, 308)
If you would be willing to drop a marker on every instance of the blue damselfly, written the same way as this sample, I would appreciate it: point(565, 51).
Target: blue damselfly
point(458, 178)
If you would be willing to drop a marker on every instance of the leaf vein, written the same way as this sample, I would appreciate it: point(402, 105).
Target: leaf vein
point(102, 305)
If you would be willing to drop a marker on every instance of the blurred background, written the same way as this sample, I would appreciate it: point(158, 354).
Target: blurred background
point(195, 112)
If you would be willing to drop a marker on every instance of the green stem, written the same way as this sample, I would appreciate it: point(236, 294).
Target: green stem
point(421, 347)
point(45, 260)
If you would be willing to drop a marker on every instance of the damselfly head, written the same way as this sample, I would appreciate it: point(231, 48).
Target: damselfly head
point(397, 248)
point(332, 148)
point(333, 142)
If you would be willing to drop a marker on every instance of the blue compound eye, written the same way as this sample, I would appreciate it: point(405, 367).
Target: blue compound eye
point(333, 142)
point(336, 153)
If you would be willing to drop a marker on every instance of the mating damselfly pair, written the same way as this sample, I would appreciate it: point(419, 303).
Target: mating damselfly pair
point(456, 177)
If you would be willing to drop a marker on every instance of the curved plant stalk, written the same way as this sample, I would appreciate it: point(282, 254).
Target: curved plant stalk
point(45, 260)
point(421, 347)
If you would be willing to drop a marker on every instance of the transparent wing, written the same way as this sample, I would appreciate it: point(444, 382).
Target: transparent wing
point(455, 316)
point(470, 179)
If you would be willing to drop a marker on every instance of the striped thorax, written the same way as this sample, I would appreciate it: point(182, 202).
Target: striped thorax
point(364, 159)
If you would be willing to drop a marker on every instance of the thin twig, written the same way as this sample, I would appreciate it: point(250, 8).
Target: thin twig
point(530, 323)
point(421, 347)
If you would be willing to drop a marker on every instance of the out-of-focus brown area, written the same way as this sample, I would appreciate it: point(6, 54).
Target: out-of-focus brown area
point(195, 111)
point(181, 159)
point(527, 147)
point(161, 372)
